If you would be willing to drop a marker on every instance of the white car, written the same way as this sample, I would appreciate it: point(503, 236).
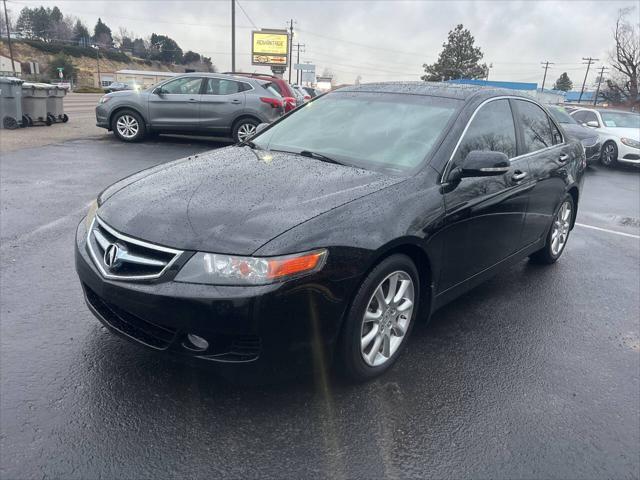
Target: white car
point(619, 133)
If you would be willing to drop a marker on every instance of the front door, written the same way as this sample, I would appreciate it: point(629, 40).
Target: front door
point(177, 105)
point(484, 216)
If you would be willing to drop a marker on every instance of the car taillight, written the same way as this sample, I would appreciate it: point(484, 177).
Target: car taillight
point(289, 103)
point(307, 97)
point(274, 102)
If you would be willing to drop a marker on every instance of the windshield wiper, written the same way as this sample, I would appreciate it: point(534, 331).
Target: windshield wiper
point(319, 156)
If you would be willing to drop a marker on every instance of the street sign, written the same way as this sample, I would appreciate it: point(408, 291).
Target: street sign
point(305, 67)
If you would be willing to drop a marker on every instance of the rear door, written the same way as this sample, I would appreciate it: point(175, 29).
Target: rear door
point(222, 100)
point(548, 155)
point(484, 216)
point(177, 107)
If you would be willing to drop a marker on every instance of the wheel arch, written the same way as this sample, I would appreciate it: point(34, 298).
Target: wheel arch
point(575, 195)
point(244, 116)
point(126, 107)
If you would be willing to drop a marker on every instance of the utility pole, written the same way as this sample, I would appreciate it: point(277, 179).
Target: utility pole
point(6, 19)
point(588, 62)
point(602, 69)
point(544, 79)
point(290, 47)
point(298, 46)
point(233, 35)
point(98, 63)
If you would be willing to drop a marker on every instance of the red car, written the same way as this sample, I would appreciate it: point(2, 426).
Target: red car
point(284, 89)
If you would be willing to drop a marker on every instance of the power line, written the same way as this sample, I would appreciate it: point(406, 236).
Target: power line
point(247, 15)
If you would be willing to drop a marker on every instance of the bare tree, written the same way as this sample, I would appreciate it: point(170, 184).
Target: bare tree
point(3, 25)
point(625, 59)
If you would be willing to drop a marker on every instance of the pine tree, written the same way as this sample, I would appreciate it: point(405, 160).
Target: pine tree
point(563, 83)
point(458, 59)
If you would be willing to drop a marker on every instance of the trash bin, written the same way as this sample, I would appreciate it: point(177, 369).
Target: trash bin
point(55, 104)
point(11, 103)
point(34, 102)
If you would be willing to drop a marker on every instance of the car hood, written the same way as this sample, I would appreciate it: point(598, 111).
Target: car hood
point(231, 200)
point(578, 131)
point(633, 133)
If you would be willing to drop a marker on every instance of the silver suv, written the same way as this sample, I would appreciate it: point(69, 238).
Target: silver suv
point(196, 103)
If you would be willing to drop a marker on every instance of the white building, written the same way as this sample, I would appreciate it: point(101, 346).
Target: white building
point(5, 66)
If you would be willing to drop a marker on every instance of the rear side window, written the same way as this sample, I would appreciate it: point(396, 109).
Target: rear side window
point(271, 88)
point(277, 88)
point(536, 126)
point(221, 86)
point(585, 116)
point(491, 129)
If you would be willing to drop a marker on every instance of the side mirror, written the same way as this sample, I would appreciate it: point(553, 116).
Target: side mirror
point(592, 124)
point(261, 127)
point(479, 163)
point(158, 91)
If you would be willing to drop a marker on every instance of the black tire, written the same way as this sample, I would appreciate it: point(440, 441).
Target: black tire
point(242, 125)
point(131, 117)
point(609, 154)
point(65, 118)
point(350, 361)
point(10, 123)
point(52, 118)
point(47, 121)
point(546, 255)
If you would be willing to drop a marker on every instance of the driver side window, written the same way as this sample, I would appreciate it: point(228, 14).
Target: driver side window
point(492, 128)
point(183, 86)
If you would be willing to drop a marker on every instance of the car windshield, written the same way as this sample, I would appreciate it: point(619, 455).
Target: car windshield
point(620, 119)
point(372, 131)
point(561, 115)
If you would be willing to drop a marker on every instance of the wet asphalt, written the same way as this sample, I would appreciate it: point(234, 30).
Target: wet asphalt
point(535, 374)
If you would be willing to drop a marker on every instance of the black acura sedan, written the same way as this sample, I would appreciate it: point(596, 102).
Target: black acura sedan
point(332, 231)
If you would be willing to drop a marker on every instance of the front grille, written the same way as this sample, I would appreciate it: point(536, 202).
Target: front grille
point(122, 257)
point(151, 334)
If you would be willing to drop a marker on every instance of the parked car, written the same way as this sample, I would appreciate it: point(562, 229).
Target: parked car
point(589, 139)
point(619, 133)
point(195, 103)
point(313, 93)
point(282, 87)
point(304, 95)
point(117, 87)
point(333, 230)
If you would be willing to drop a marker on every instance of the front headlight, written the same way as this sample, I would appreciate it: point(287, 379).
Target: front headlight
point(589, 142)
point(91, 214)
point(104, 99)
point(219, 269)
point(630, 142)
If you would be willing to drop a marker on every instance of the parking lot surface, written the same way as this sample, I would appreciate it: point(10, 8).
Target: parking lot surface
point(535, 374)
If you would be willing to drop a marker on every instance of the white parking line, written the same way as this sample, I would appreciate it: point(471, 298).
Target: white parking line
point(608, 231)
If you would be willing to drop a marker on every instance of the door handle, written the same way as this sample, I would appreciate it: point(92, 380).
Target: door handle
point(563, 158)
point(192, 100)
point(236, 102)
point(518, 175)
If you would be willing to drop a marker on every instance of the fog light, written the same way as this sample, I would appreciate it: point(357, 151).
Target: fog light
point(197, 343)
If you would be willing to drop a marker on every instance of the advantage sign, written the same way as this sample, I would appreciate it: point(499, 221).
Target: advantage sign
point(269, 47)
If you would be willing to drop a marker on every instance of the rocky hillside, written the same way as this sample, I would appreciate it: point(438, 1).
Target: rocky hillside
point(85, 65)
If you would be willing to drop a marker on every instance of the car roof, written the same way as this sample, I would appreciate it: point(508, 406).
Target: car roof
point(435, 89)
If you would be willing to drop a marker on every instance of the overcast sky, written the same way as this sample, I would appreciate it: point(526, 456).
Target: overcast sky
point(378, 40)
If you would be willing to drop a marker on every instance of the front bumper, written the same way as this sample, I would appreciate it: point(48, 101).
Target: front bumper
point(288, 326)
point(627, 154)
point(102, 117)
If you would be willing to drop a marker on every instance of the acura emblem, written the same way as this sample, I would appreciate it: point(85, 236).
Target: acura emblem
point(112, 256)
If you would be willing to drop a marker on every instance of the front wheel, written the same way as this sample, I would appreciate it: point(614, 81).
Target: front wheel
point(128, 126)
point(380, 319)
point(244, 129)
point(609, 154)
point(558, 234)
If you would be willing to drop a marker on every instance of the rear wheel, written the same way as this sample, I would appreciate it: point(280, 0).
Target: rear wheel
point(244, 129)
point(380, 319)
point(558, 234)
point(128, 126)
point(609, 154)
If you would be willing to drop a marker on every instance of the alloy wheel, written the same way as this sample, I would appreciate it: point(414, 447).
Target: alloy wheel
point(608, 154)
point(386, 318)
point(561, 227)
point(245, 131)
point(127, 126)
